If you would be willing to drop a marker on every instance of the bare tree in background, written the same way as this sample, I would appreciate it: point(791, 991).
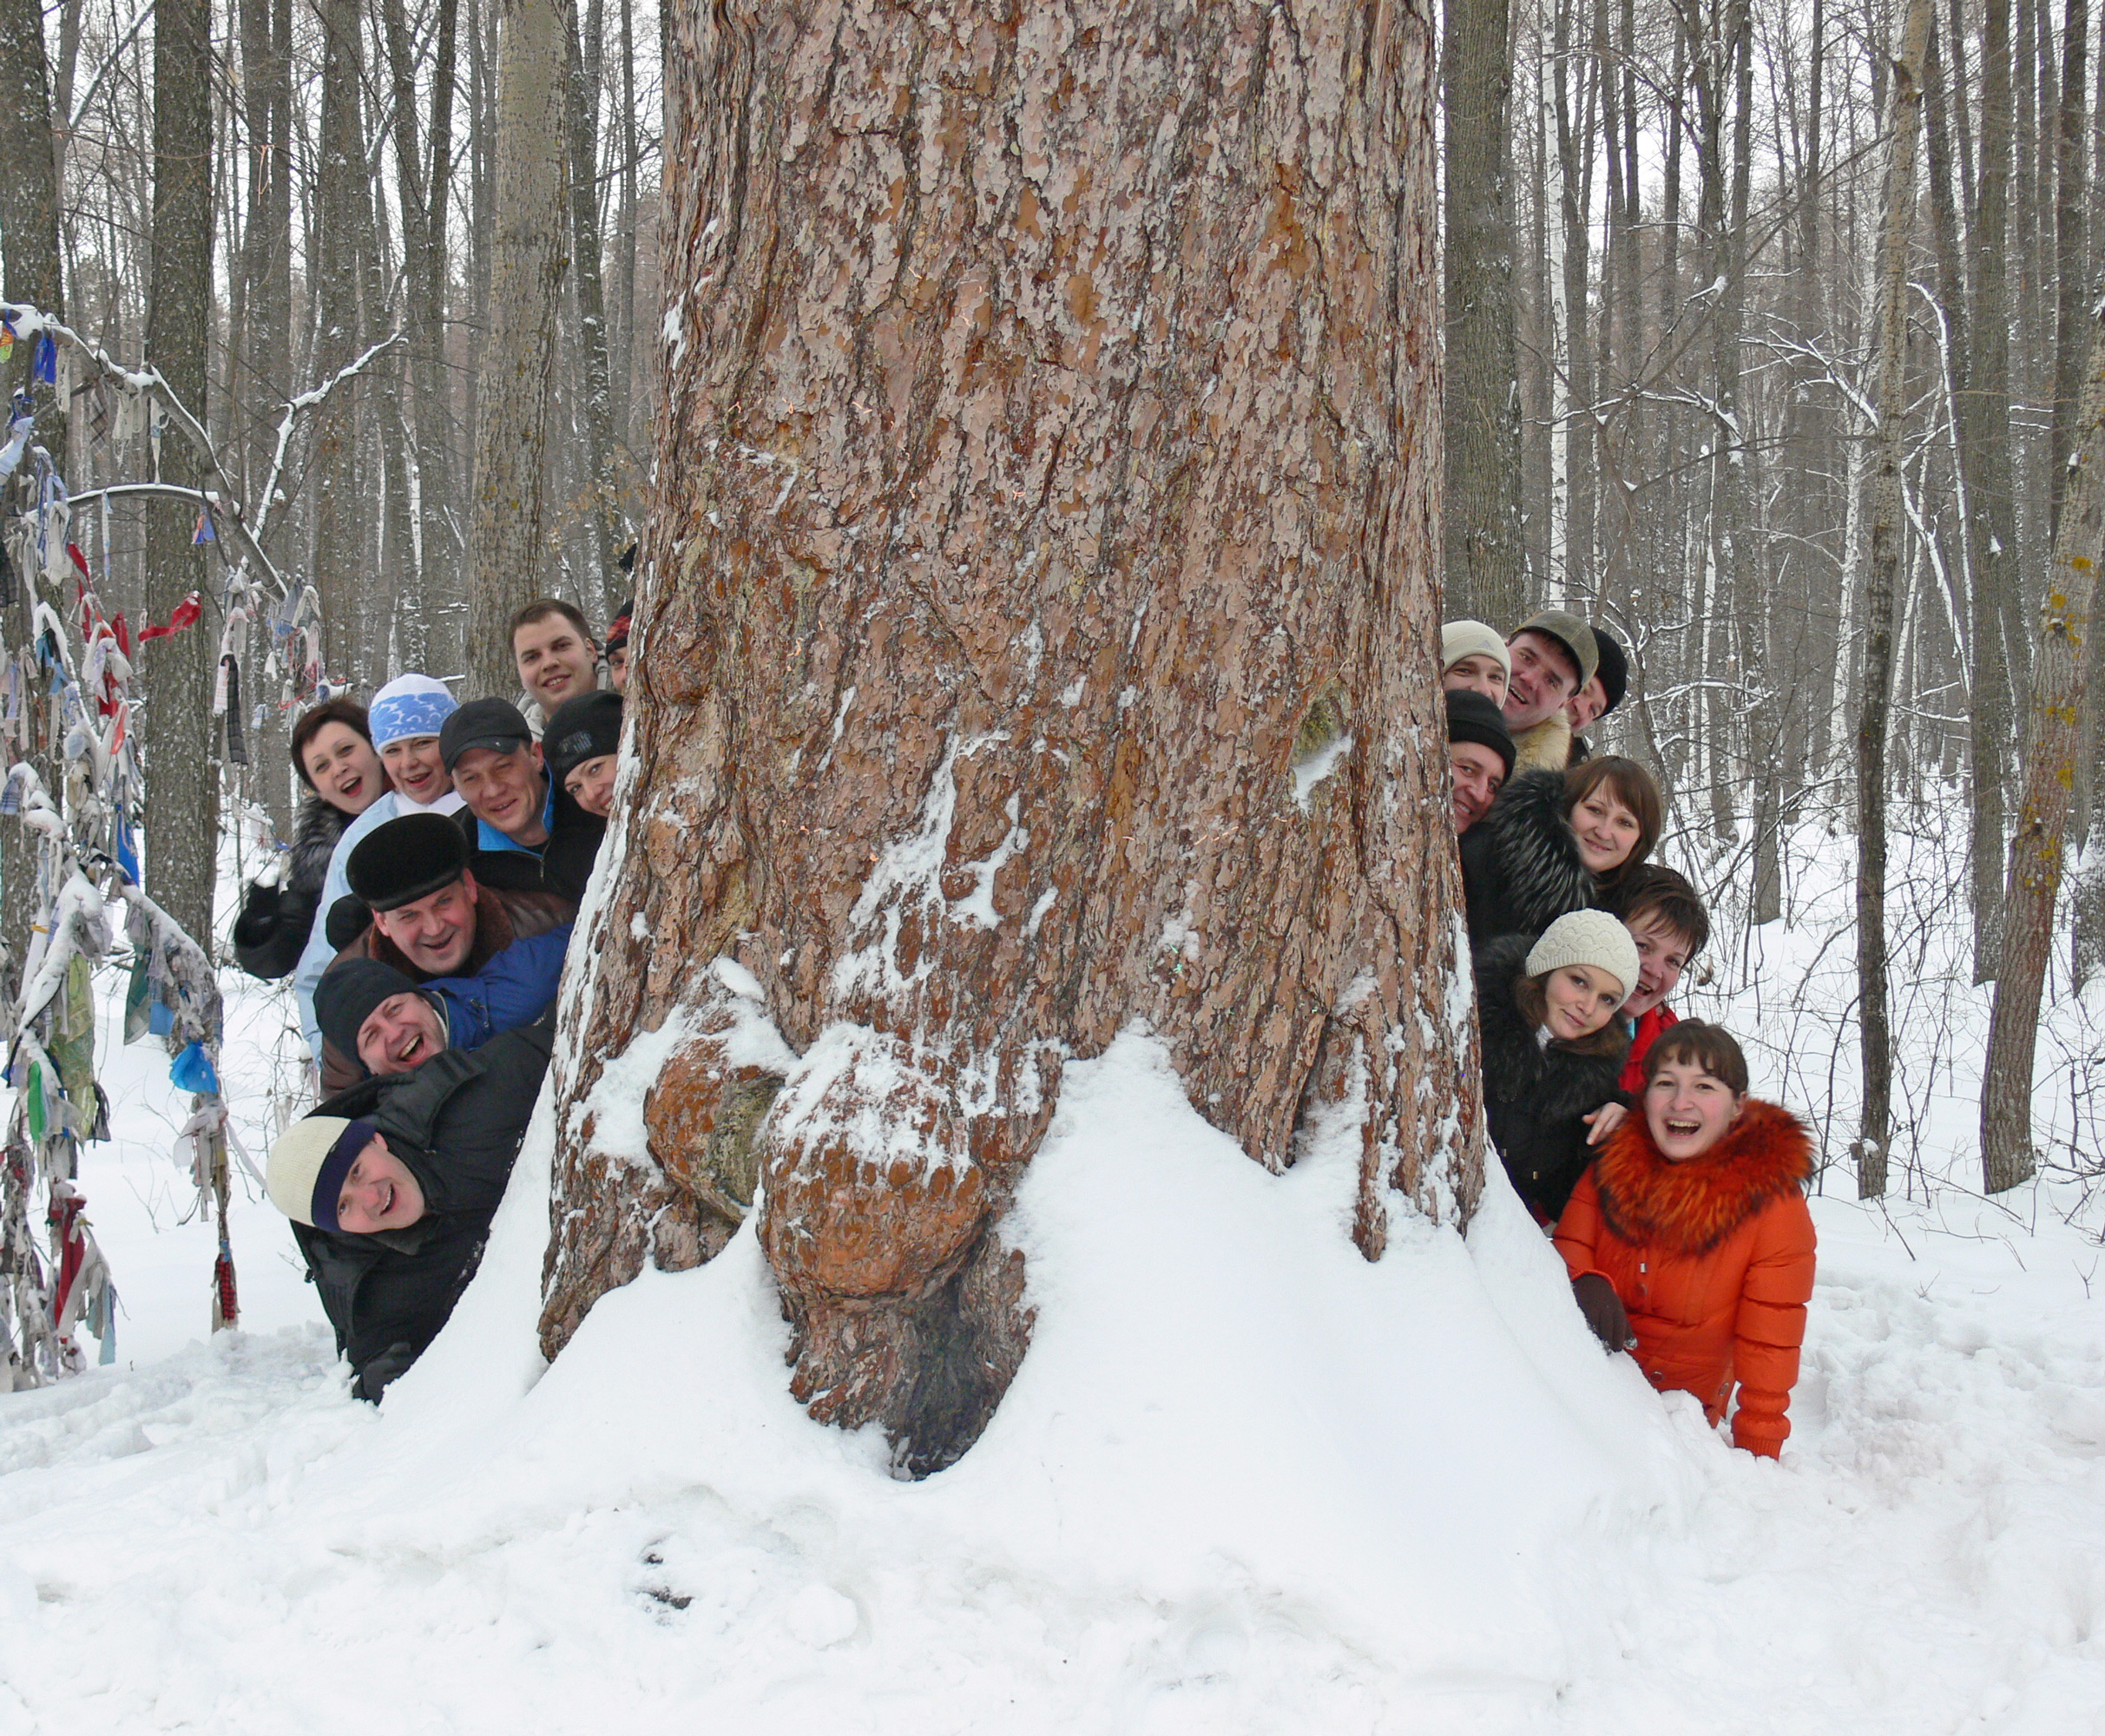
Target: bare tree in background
point(182, 822)
point(1875, 1133)
point(516, 355)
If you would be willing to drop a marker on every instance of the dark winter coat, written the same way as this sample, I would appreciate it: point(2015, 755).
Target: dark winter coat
point(457, 1124)
point(1520, 862)
point(1712, 1258)
point(501, 916)
point(1536, 1095)
point(272, 930)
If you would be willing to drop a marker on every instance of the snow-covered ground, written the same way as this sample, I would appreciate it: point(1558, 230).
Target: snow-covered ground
point(1245, 1480)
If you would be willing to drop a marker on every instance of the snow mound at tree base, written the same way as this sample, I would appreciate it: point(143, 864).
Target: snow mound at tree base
point(1238, 1459)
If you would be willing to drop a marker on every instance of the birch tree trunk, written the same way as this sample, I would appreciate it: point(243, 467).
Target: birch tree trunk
point(1043, 581)
point(1897, 227)
point(517, 354)
point(2053, 734)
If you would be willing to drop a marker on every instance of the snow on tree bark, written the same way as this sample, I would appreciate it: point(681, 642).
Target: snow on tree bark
point(1045, 575)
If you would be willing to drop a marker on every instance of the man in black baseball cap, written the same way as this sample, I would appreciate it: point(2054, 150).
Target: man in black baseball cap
point(1479, 753)
point(496, 766)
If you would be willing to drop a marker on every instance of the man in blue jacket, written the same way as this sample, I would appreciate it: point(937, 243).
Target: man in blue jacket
point(394, 1023)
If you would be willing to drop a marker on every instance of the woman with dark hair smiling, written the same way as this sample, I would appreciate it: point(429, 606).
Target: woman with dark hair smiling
point(1689, 1243)
point(334, 756)
point(1556, 841)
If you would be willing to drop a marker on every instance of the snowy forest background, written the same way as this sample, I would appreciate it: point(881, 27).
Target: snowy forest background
point(1673, 213)
point(1681, 238)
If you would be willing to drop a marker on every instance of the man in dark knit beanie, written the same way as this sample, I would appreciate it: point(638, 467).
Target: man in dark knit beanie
point(1480, 753)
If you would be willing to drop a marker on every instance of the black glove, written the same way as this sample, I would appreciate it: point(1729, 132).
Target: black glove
point(373, 1379)
point(1604, 1313)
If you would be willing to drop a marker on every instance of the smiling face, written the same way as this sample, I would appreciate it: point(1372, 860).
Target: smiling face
point(416, 769)
point(1607, 831)
point(1688, 1110)
point(1662, 955)
point(1587, 704)
point(1479, 773)
point(592, 785)
point(1578, 1000)
point(343, 768)
point(556, 662)
point(617, 668)
point(380, 1193)
point(400, 1034)
point(1478, 673)
point(504, 790)
point(436, 933)
point(1544, 678)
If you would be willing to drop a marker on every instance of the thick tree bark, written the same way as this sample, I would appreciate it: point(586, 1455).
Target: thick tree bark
point(29, 250)
point(1045, 575)
point(581, 131)
point(1486, 560)
point(527, 264)
point(342, 508)
point(1897, 227)
point(2038, 844)
point(182, 836)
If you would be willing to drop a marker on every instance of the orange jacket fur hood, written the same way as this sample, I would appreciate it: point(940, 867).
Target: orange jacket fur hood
point(1712, 1259)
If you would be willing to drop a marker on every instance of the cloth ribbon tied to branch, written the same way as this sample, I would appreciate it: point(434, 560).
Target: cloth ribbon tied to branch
point(185, 615)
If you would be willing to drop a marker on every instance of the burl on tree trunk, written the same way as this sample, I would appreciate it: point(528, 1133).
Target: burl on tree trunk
point(1044, 580)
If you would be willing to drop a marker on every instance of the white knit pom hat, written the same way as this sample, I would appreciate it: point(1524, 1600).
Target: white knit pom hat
point(1460, 639)
point(304, 1152)
point(1592, 937)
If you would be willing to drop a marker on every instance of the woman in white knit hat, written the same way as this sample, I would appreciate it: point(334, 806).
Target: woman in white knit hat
point(1553, 1048)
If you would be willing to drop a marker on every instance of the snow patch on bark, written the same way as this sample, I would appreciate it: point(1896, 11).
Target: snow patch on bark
point(1311, 772)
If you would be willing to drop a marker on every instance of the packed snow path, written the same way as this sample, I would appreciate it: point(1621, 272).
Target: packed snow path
point(1245, 1482)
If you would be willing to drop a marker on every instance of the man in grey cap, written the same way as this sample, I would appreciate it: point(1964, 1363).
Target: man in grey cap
point(1554, 655)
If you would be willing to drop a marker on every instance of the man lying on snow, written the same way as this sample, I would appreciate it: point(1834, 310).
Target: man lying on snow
point(390, 1187)
point(394, 1024)
point(433, 915)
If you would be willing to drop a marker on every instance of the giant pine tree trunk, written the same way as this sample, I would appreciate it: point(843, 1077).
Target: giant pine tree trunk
point(1045, 580)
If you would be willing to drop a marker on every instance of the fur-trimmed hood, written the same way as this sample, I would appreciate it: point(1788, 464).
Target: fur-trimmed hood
point(1690, 1207)
point(1520, 864)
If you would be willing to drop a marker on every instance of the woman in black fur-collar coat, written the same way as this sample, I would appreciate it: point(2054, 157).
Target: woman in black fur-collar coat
point(1540, 1087)
point(1556, 841)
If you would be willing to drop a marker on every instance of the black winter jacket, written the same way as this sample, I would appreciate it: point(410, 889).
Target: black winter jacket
point(272, 930)
point(1537, 1096)
point(457, 1124)
point(1520, 862)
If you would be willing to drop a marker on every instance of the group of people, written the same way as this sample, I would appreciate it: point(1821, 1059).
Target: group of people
point(427, 900)
point(1676, 1199)
point(422, 912)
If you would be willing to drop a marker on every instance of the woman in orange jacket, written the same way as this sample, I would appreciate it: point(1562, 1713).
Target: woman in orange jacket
point(1688, 1240)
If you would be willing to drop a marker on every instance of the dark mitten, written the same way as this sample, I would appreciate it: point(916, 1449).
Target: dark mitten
point(374, 1377)
point(1604, 1310)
